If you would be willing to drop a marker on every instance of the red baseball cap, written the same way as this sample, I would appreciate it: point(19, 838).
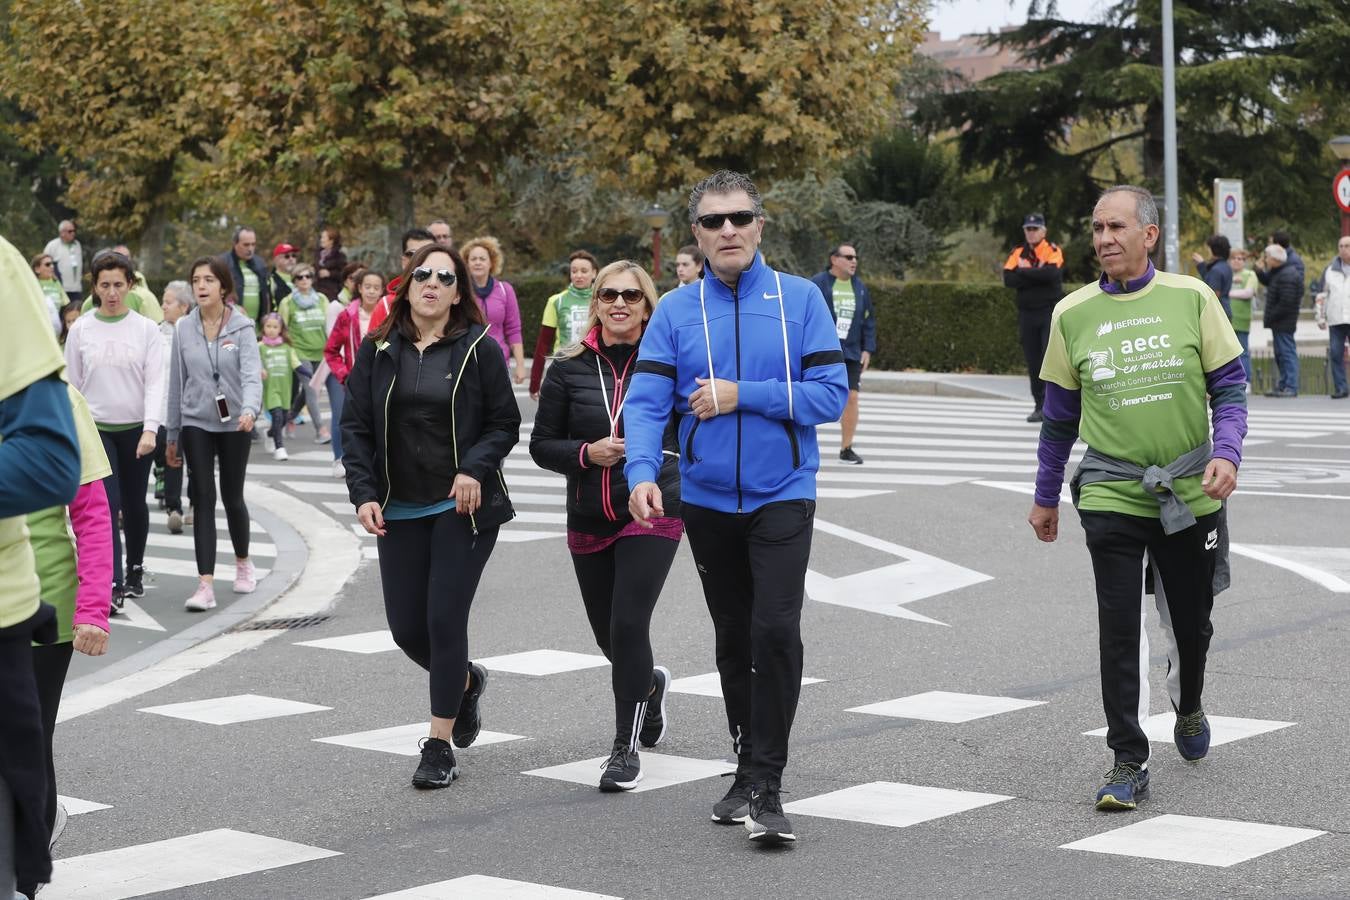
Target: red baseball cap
point(283, 248)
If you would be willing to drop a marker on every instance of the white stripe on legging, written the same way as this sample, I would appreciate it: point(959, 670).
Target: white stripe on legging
point(1173, 651)
point(638, 715)
point(1141, 713)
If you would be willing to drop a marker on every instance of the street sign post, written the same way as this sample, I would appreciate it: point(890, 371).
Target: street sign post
point(1228, 210)
point(1340, 186)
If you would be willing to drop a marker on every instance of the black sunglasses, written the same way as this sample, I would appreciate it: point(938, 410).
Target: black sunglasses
point(444, 276)
point(611, 295)
point(307, 276)
point(713, 221)
point(851, 257)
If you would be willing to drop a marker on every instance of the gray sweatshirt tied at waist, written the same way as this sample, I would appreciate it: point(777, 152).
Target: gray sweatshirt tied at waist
point(1173, 513)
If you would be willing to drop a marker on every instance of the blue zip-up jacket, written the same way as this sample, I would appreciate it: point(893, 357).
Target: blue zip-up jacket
point(760, 453)
point(862, 334)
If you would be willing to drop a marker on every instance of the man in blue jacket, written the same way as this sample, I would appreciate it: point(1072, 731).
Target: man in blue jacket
point(749, 360)
point(856, 325)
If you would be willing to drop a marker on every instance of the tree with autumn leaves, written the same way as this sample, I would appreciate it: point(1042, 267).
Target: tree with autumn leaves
point(362, 107)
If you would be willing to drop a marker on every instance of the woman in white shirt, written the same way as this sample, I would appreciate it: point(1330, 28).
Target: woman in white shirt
point(115, 358)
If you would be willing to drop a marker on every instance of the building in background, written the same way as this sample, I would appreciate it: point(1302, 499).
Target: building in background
point(968, 56)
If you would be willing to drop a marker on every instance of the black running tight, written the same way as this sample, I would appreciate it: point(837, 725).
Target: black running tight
point(429, 569)
point(203, 449)
point(126, 494)
point(620, 586)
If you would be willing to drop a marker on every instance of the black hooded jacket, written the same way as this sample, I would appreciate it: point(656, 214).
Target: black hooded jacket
point(576, 401)
point(398, 441)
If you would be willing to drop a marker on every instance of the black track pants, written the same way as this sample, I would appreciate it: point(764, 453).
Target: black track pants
point(126, 494)
point(1183, 570)
point(753, 567)
point(620, 586)
point(1033, 330)
point(203, 449)
point(429, 569)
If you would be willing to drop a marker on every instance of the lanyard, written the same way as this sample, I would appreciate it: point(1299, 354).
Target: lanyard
point(613, 419)
point(215, 358)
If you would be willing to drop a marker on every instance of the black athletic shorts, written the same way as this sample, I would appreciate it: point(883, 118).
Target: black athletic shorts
point(854, 367)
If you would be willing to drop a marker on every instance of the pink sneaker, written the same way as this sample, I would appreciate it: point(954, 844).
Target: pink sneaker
point(245, 581)
point(203, 599)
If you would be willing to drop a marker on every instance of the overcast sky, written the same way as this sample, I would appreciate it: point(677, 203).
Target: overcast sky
point(957, 17)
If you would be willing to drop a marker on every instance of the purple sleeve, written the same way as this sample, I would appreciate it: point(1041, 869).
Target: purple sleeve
point(511, 325)
point(1227, 386)
point(1059, 431)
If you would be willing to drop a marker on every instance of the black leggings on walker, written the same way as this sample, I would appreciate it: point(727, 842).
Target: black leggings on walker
point(429, 569)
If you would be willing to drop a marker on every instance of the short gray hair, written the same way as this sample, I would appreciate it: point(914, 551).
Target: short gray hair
point(1277, 253)
point(724, 181)
point(1145, 208)
point(181, 292)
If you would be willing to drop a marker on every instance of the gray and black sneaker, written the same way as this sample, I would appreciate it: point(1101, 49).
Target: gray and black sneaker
point(135, 582)
point(470, 720)
point(654, 719)
point(735, 806)
point(766, 822)
point(624, 769)
point(118, 601)
point(847, 455)
point(437, 768)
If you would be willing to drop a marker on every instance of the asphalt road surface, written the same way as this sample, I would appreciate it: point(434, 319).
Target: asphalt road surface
point(940, 749)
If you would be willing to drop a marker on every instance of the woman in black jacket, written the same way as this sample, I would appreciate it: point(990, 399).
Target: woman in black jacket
point(620, 566)
point(429, 417)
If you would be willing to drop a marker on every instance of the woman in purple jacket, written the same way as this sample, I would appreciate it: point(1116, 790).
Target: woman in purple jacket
point(483, 256)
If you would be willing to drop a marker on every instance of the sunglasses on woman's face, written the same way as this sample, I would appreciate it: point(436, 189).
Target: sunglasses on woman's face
point(444, 276)
point(713, 221)
point(611, 295)
point(305, 276)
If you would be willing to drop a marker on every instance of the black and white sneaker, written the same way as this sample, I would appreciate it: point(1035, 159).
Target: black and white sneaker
point(118, 601)
point(624, 769)
point(654, 719)
point(437, 768)
point(847, 455)
point(135, 582)
point(470, 720)
point(735, 806)
point(766, 822)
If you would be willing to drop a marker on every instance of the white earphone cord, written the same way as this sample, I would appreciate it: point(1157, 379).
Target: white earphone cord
point(787, 357)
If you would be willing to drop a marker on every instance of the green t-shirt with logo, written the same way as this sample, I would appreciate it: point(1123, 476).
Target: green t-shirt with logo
point(249, 294)
point(845, 306)
point(279, 362)
point(306, 327)
point(1140, 361)
point(568, 311)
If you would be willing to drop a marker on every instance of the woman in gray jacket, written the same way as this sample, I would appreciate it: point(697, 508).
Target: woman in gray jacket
point(215, 389)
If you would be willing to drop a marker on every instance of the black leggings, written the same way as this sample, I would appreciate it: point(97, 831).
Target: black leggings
point(173, 478)
point(201, 449)
point(50, 664)
point(620, 586)
point(429, 569)
point(126, 494)
point(279, 417)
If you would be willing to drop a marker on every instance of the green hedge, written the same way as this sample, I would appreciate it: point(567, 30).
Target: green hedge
point(945, 326)
point(933, 325)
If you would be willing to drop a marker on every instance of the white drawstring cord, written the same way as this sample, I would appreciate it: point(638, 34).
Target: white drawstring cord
point(787, 356)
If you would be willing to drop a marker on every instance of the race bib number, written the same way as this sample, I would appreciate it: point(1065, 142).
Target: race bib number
point(843, 324)
point(576, 322)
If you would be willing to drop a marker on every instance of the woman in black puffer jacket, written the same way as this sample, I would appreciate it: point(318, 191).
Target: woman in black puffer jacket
point(621, 567)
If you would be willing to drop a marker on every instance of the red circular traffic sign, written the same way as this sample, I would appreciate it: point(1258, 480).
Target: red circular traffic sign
point(1341, 188)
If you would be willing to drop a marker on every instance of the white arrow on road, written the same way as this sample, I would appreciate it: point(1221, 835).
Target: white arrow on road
point(1327, 566)
point(887, 589)
point(135, 617)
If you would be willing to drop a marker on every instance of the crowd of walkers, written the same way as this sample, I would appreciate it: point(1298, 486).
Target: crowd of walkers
point(666, 415)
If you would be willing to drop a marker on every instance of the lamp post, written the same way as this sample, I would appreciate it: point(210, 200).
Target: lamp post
point(1341, 185)
point(656, 219)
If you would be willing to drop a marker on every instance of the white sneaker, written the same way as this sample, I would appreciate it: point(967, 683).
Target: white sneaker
point(280, 454)
point(339, 470)
point(203, 599)
point(245, 579)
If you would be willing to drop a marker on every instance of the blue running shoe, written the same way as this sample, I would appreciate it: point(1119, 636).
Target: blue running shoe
point(1126, 784)
point(1191, 735)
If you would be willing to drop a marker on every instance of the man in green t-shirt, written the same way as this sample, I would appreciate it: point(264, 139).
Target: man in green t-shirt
point(1136, 360)
point(252, 286)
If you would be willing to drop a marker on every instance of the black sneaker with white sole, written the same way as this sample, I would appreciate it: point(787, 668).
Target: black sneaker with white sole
point(624, 769)
point(735, 806)
point(437, 768)
point(470, 719)
point(654, 719)
point(135, 582)
point(118, 601)
point(847, 455)
point(766, 822)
